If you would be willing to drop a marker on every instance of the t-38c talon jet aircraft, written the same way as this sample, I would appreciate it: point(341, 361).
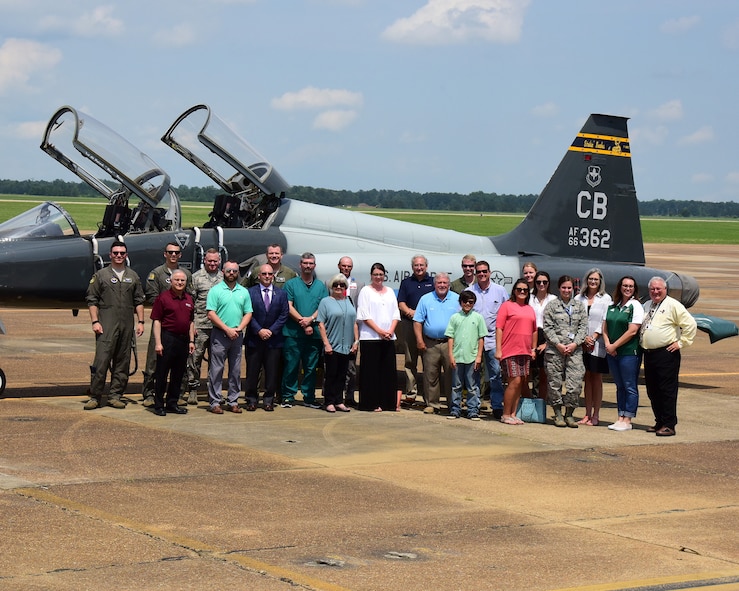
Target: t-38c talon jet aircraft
point(586, 216)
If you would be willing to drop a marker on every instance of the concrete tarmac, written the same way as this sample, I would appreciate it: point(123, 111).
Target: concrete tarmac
point(303, 499)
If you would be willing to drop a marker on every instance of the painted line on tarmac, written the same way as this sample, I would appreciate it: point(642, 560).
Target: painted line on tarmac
point(709, 581)
point(203, 549)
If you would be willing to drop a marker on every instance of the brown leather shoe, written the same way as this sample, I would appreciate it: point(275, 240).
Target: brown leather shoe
point(234, 408)
point(251, 407)
point(665, 432)
point(269, 408)
point(653, 429)
point(216, 410)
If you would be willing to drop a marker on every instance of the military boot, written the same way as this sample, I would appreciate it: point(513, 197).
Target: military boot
point(569, 419)
point(116, 403)
point(193, 397)
point(91, 404)
point(558, 418)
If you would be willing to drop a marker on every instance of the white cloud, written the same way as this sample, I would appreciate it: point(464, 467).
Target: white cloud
point(98, 22)
point(30, 130)
point(334, 120)
point(545, 110)
point(730, 37)
point(733, 177)
point(702, 177)
point(317, 98)
point(669, 111)
point(680, 25)
point(445, 22)
point(655, 136)
point(20, 59)
point(180, 35)
point(701, 136)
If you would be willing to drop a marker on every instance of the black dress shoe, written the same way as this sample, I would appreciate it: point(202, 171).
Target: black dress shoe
point(665, 432)
point(269, 408)
point(178, 410)
point(251, 407)
point(160, 412)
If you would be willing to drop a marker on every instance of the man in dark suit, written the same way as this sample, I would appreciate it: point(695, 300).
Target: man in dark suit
point(264, 339)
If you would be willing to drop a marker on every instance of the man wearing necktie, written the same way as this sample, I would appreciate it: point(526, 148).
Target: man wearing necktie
point(264, 340)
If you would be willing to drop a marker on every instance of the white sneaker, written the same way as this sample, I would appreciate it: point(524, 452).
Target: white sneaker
point(622, 426)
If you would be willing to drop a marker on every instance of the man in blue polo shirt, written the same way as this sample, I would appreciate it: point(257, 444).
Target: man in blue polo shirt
point(229, 309)
point(410, 291)
point(430, 321)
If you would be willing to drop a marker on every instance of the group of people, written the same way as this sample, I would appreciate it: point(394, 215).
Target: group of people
point(525, 344)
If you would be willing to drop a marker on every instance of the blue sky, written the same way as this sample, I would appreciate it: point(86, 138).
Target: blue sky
point(423, 95)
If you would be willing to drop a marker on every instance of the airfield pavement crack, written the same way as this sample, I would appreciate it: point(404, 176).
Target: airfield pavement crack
point(200, 549)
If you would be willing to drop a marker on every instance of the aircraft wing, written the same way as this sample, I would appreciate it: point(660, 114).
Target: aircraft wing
point(717, 328)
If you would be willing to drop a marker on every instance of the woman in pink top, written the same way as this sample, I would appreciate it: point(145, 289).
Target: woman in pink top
point(515, 346)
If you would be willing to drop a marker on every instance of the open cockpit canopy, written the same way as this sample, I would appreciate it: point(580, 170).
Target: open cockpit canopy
point(117, 170)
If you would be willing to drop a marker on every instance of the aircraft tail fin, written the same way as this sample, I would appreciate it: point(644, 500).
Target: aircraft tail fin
point(588, 210)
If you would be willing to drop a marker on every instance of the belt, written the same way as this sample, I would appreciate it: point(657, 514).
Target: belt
point(655, 350)
point(444, 340)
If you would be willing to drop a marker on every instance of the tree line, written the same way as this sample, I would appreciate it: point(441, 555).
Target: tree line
point(388, 199)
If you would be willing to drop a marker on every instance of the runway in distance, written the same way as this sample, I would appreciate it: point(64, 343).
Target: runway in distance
point(586, 216)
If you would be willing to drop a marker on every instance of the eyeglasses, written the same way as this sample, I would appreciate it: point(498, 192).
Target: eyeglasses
point(542, 283)
point(521, 289)
point(341, 285)
point(482, 272)
point(468, 266)
point(173, 251)
point(627, 287)
point(230, 270)
point(118, 253)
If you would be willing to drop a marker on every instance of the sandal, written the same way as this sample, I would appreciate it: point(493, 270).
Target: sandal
point(330, 408)
point(343, 408)
point(584, 421)
point(593, 421)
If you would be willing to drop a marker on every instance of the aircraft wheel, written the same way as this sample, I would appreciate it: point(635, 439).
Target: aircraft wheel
point(2, 382)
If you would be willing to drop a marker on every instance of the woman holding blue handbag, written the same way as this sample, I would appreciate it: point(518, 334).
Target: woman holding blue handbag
point(515, 346)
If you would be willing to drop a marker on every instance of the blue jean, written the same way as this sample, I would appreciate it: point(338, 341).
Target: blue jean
point(465, 376)
point(496, 383)
point(625, 372)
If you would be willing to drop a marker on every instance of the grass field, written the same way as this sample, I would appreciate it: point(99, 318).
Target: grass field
point(88, 212)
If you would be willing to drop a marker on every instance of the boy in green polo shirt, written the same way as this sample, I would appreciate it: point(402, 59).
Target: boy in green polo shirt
point(466, 331)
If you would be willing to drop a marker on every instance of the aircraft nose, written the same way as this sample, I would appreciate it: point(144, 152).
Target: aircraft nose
point(683, 288)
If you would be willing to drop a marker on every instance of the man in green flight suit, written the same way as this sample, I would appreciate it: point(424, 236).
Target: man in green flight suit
point(113, 296)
